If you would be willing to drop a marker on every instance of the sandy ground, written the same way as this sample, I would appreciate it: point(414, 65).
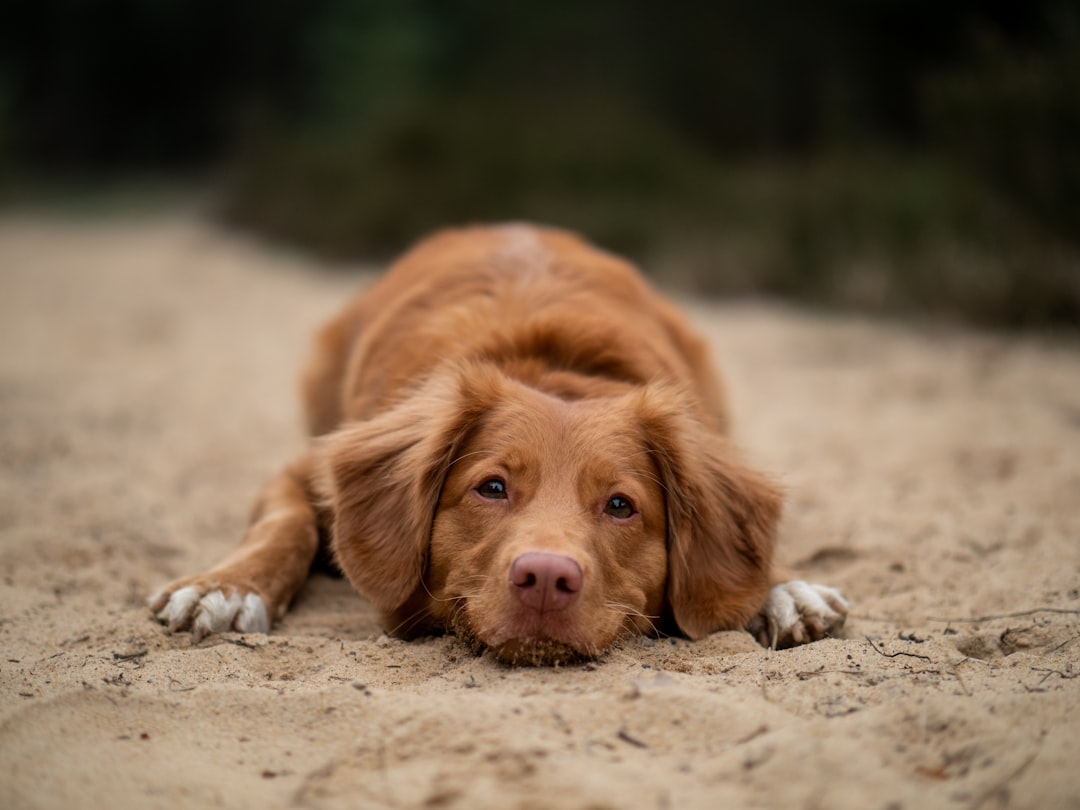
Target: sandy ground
point(146, 390)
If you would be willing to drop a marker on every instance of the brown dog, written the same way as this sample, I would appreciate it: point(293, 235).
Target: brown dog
point(520, 441)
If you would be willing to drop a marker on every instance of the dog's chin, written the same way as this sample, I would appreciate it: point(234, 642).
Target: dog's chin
point(535, 649)
point(537, 652)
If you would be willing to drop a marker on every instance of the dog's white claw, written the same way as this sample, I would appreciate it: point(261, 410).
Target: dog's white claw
point(178, 609)
point(252, 617)
point(215, 614)
point(798, 612)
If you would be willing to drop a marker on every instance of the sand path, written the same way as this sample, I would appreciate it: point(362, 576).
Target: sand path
point(146, 389)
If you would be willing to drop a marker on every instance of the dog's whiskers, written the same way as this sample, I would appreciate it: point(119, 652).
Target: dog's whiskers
point(408, 623)
point(464, 456)
point(481, 578)
point(630, 611)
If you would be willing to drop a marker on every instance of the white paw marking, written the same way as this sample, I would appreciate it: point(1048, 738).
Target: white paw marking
point(252, 617)
point(178, 609)
point(213, 612)
point(798, 612)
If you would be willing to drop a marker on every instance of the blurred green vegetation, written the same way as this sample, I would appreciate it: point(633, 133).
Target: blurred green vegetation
point(910, 156)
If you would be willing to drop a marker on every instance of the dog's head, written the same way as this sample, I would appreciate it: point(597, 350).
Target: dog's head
point(545, 527)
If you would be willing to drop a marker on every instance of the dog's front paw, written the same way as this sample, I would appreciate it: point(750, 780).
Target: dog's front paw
point(798, 612)
point(208, 606)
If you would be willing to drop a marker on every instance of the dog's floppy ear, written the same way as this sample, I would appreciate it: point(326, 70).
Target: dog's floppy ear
point(382, 478)
point(721, 519)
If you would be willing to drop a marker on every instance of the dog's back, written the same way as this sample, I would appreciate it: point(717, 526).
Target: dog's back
point(547, 307)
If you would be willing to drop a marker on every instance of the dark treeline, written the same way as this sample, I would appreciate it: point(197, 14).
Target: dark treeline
point(873, 153)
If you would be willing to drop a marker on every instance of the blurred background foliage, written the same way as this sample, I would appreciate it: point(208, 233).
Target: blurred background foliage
point(913, 156)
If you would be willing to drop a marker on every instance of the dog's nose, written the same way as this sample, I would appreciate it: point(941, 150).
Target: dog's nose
point(545, 581)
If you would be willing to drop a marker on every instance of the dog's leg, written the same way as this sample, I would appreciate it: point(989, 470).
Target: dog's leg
point(254, 585)
point(798, 612)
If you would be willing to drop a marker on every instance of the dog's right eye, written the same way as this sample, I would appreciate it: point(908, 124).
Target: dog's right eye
point(494, 489)
point(619, 507)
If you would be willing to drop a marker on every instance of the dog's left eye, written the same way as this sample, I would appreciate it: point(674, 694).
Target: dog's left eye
point(494, 489)
point(619, 507)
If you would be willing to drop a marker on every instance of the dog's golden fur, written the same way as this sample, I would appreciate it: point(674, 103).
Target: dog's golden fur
point(527, 357)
